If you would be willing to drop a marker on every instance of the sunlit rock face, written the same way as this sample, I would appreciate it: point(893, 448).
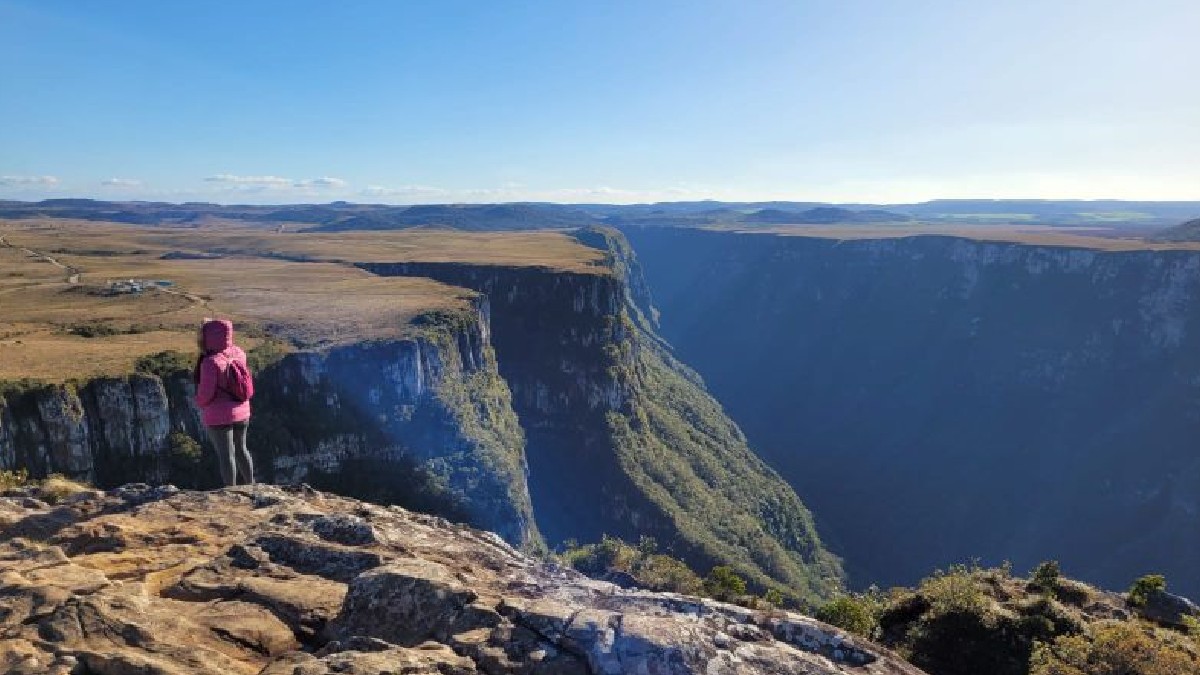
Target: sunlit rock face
point(282, 581)
point(937, 399)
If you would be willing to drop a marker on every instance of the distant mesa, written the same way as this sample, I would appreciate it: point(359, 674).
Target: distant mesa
point(461, 217)
point(1137, 218)
point(823, 215)
point(1189, 231)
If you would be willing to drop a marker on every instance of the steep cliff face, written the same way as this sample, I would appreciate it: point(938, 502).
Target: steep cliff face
point(424, 421)
point(622, 439)
point(936, 399)
point(87, 430)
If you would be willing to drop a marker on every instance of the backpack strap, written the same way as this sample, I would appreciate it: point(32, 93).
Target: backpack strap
point(224, 373)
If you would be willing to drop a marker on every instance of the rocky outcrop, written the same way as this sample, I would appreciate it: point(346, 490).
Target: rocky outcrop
point(938, 399)
point(280, 581)
point(1168, 609)
point(423, 419)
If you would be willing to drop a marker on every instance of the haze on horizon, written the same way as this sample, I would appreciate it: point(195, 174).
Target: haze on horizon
point(849, 101)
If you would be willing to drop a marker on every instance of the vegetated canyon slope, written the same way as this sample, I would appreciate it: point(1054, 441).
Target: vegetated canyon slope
point(935, 399)
point(274, 581)
point(622, 438)
point(450, 372)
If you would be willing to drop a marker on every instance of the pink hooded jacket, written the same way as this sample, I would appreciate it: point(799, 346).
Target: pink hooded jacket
point(218, 408)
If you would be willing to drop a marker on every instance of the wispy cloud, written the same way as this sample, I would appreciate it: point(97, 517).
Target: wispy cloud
point(234, 182)
point(512, 191)
point(261, 181)
point(322, 182)
point(121, 182)
point(28, 181)
point(402, 191)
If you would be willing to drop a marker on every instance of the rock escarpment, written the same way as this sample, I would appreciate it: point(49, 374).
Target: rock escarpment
point(937, 399)
point(280, 581)
point(622, 438)
point(423, 419)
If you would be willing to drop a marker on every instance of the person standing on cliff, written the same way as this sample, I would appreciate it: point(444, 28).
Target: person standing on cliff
point(224, 387)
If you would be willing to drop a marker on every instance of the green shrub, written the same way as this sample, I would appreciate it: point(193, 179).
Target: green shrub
point(1046, 577)
point(1115, 648)
point(659, 572)
point(1143, 588)
point(14, 479)
point(854, 613)
point(14, 389)
point(265, 354)
point(723, 583)
point(1191, 627)
point(647, 545)
point(652, 570)
point(611, 554)
point(187, 464)
point(183, 447)
point(165, 364)
point(93, 329)
point(954, 591)
point(773, 597)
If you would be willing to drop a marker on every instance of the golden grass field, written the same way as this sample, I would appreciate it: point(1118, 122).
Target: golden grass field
point(322, 301)
point(319, 303)
point(1034, 235)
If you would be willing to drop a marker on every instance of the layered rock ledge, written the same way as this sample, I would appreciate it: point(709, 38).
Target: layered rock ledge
point(290, 581)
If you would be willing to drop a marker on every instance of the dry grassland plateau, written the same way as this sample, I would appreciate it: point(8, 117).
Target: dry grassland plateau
point(1096, 238)
point(67, 309)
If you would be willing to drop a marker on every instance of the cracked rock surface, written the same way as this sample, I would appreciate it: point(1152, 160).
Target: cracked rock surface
point(289, 581)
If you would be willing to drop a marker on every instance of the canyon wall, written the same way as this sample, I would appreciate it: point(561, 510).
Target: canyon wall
point(938, 399)
point(622, 438)
point(424, 421)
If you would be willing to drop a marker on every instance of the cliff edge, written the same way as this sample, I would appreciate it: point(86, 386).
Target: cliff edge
point(273, 580)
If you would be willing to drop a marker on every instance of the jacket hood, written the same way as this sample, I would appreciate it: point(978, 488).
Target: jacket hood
point(218, 335)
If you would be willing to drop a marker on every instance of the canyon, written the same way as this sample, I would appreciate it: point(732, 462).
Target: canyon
point(940, 399)
point(934, 399)
point(539, 404)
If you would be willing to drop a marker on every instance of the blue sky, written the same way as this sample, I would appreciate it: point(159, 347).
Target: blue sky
point(258, 101)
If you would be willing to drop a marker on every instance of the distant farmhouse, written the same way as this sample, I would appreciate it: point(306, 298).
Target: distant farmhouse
point(127, 286)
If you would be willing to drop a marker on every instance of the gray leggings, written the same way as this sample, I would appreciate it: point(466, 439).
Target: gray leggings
point(233, 457)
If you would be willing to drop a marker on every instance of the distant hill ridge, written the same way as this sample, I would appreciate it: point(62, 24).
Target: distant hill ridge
point(335, 216)
point(342, 216)
point(1189, 231)
point(824, 215)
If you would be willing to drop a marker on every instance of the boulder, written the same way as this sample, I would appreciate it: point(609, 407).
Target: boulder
point(1167, 609)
